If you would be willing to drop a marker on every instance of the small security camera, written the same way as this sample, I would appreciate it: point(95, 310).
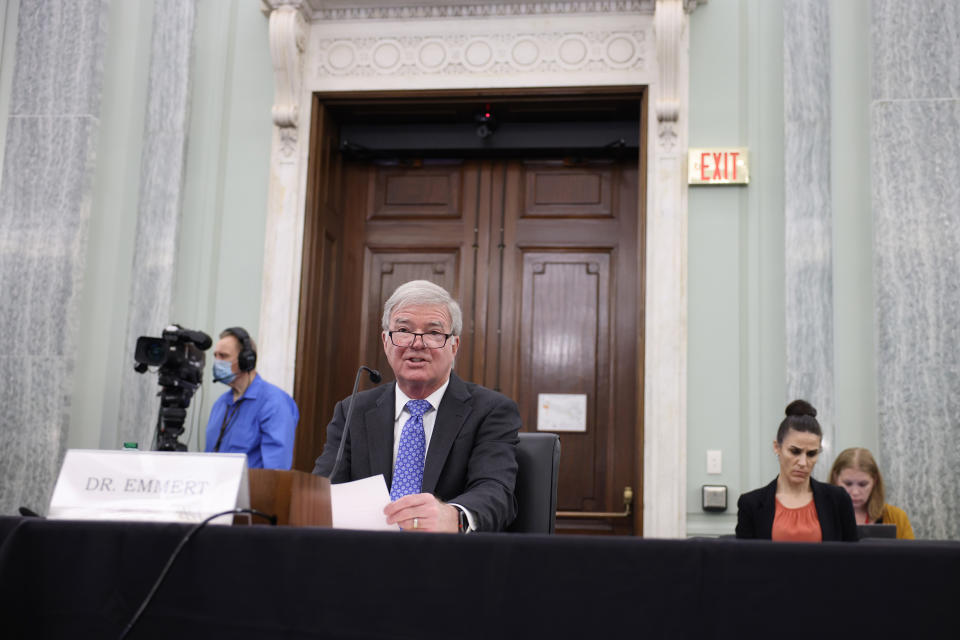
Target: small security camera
point(486, 123)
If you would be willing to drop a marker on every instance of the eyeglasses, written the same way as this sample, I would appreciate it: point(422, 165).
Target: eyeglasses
point(404, 338)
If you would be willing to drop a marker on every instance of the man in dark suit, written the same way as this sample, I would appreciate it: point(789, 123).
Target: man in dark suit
point(447, 448)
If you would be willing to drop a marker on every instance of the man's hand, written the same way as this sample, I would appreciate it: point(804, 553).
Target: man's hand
point(423, 512)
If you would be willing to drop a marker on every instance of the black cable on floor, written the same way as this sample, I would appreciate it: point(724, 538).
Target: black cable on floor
point(176, 552)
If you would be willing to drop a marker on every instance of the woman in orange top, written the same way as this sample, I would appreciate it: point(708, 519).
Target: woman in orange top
point(856, 471)
point(795, 507)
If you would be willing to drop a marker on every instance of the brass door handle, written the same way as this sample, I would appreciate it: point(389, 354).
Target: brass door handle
point(627, 502)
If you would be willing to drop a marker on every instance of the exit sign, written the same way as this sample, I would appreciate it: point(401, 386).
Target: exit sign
point(718, 166)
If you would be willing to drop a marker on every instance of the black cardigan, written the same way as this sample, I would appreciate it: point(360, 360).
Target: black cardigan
point(756, 509)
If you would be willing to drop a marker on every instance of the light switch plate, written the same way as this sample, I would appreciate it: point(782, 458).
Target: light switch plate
point(714, 461)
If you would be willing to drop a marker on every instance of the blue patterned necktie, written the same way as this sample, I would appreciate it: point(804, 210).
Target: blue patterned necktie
point(408, 471)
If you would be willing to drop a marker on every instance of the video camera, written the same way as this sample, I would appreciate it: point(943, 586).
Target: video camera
point(179, 356)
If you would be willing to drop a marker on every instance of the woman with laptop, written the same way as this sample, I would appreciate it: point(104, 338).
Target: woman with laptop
point(856, 471)
point(795, 507)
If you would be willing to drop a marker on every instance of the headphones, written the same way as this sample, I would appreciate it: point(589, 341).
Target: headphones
point(247, 359)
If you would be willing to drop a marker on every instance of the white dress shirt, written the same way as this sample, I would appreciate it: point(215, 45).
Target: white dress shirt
point(401, 415)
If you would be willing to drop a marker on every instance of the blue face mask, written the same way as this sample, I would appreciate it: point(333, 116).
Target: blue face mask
point(223, 372)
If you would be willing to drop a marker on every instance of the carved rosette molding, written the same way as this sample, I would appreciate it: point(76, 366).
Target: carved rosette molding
point(495, 53)
point(287, 43)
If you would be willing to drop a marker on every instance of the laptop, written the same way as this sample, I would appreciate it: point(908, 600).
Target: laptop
point(876, 531)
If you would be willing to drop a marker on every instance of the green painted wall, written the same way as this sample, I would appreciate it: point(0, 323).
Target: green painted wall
point(734, 330)
point(105, 293)
point(220, 263)
point(220, 252)
point(736, 357)
point(854, 319)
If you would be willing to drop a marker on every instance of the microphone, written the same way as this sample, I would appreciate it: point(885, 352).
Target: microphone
point(375, 377)
point(199, 338)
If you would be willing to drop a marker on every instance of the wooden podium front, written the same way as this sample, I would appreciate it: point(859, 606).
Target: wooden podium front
point(298, 499)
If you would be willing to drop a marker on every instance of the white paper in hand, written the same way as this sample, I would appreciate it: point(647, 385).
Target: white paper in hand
point(359, 504)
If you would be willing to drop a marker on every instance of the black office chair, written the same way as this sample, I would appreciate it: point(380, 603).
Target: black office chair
point(538, 461)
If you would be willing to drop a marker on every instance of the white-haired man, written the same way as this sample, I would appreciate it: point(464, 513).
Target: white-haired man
point(446, 447)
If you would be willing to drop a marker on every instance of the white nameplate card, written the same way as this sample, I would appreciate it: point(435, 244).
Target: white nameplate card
point(149, 485)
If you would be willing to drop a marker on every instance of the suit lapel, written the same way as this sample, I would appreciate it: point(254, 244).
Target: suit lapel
point(451, 414)
point(819, 502)
point(768, 508)
point(378, 424)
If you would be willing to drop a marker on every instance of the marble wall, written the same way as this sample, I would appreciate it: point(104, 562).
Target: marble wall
point(808, 213)
point(158, 214)
point(915, 132)
point(915, 135)
point(45, 199)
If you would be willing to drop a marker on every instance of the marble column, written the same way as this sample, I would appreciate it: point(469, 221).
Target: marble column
point(158, 213)
point(45, 201)
point(283, 236)
point(915, 135)
point(808, 212)
point(665, 342)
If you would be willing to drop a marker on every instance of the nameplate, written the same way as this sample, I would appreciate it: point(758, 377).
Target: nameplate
point(149, 485)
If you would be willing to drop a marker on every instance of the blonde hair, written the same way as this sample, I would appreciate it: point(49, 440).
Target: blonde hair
point(862, 460)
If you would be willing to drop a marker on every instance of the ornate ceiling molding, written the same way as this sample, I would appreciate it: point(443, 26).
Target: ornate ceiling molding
point(426, 10)
point(497, 53)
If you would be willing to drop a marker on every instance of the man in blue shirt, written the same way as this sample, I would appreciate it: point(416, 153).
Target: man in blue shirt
point(254, 417)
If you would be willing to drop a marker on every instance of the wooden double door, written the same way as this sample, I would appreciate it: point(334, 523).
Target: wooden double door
point(542, 256)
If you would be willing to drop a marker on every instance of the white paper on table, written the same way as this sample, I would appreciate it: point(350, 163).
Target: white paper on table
point(359, 504)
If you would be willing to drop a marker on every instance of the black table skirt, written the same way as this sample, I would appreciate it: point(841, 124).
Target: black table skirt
point(62, 579)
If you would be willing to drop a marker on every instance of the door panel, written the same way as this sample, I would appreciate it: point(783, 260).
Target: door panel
point(315, 388)
point(564, 347)
point(577, 193)
point(420, 225)
point(571, 317)
point(417, 192)
point(389, 269)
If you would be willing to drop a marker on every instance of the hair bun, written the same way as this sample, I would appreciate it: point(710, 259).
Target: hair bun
point(801, 408)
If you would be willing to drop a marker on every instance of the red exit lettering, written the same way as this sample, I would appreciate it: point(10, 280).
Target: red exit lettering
point(718, 166)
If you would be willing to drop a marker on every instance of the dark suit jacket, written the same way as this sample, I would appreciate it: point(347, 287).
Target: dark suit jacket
point(471, 459)
point(756, 509)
